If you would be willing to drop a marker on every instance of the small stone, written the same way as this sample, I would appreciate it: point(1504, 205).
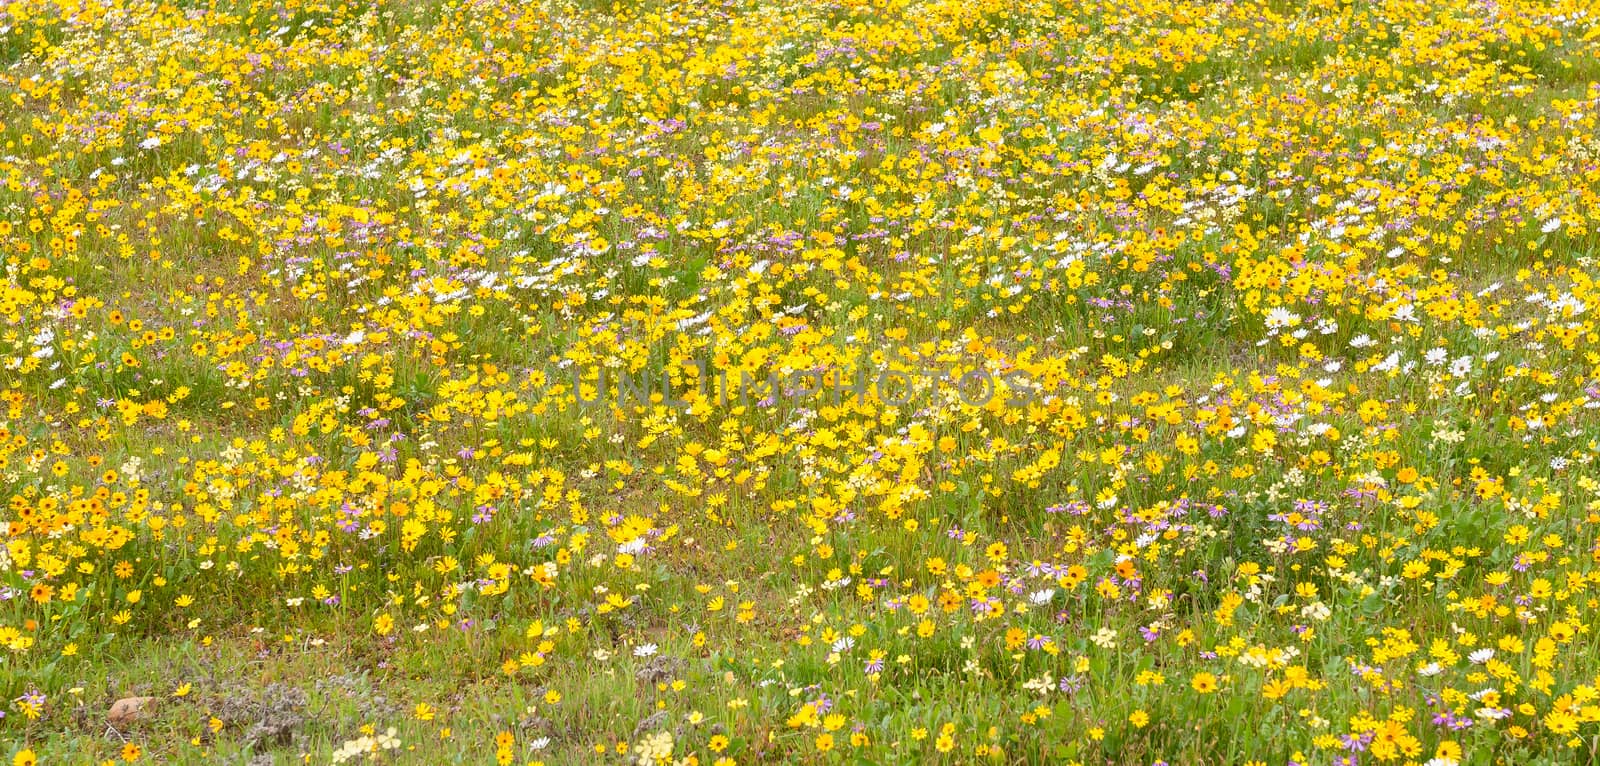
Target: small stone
point(131, 710)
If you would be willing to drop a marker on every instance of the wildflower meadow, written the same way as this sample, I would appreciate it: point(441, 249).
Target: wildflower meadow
point(735, 382)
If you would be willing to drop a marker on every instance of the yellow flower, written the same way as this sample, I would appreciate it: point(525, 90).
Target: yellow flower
point(1561, 722)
